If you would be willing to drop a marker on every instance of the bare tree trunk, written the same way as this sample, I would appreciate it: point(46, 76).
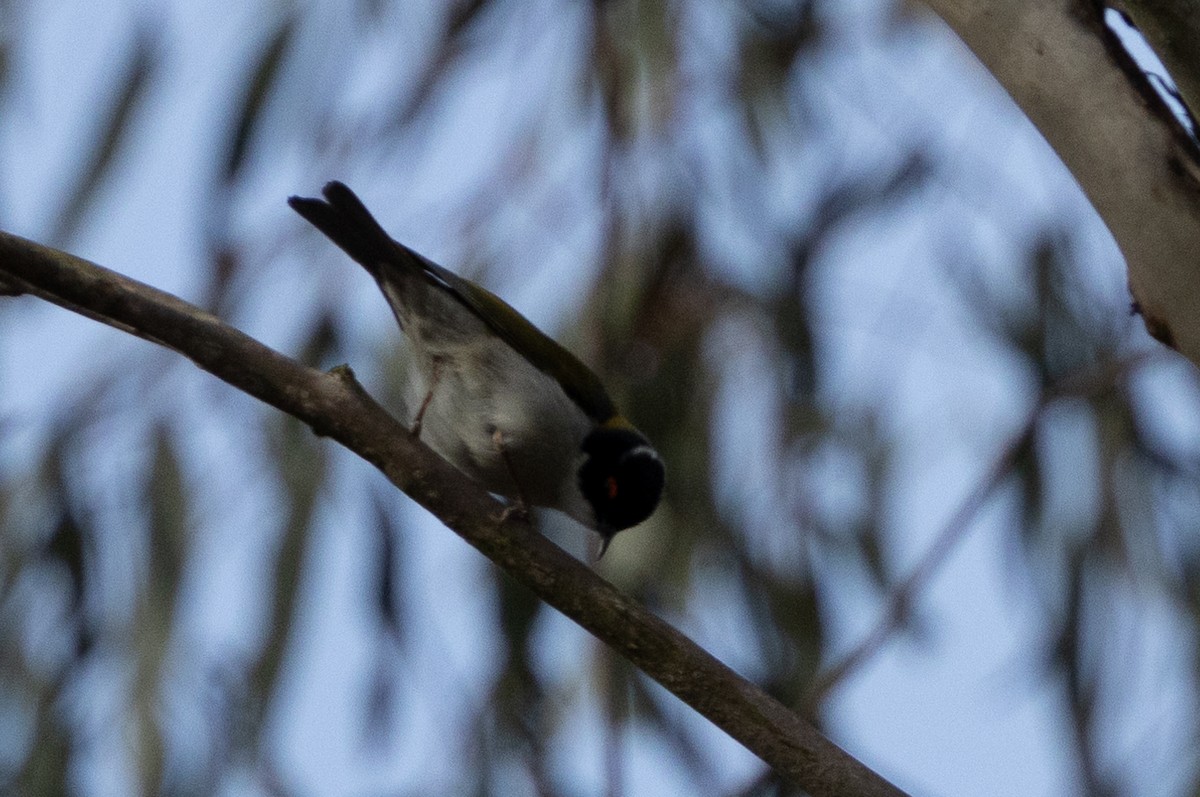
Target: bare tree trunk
point(1135, 161)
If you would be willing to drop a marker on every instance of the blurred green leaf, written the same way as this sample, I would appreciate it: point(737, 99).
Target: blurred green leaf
point(462, 18)
point(774, 37)
point(785, 622)
point(634, 67)
point(66, 545)
point(647, 699)
point(113, 126)
point(462, 14)
point(168, 502)
point(389, 598)
point(384, 690)
point(46, 770)
point(258, 87)
point(301, 460)
point(166, 498)
point(1027, 468)
point(518, 609)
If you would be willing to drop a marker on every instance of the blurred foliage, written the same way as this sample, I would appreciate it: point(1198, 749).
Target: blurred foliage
point(115, 119)
point(657, 130)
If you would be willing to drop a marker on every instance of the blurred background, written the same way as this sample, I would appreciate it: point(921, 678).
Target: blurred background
point(929, 482)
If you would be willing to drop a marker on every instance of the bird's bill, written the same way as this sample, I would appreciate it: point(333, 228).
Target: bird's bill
point(605, 540)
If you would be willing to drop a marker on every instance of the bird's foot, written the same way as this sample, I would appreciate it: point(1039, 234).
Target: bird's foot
point(518, 510)
point(415, 430)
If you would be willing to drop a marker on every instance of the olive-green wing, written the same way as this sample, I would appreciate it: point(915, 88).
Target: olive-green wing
point(577, 380)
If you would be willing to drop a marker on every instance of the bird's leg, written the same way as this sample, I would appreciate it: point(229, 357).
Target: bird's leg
point(519, 507)
point(415, 431)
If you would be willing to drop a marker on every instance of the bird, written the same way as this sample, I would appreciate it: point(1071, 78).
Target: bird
point(502, 401)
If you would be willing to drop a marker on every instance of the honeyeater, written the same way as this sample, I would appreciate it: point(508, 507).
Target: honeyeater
point(502, 401)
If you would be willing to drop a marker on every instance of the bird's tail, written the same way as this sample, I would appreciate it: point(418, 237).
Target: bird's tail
point(346, 221)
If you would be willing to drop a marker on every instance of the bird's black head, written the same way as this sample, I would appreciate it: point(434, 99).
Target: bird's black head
point(621, 477)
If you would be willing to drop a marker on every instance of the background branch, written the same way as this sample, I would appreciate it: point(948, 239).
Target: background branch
point(1087, 382)
point(334, 405)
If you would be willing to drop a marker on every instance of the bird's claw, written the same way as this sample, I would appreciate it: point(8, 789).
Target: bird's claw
point(517, 509)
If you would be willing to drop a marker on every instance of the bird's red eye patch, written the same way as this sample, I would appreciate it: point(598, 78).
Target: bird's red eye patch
point(611, 485)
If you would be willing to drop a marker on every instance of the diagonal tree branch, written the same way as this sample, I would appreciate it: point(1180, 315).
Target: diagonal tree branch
point(335, 405)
